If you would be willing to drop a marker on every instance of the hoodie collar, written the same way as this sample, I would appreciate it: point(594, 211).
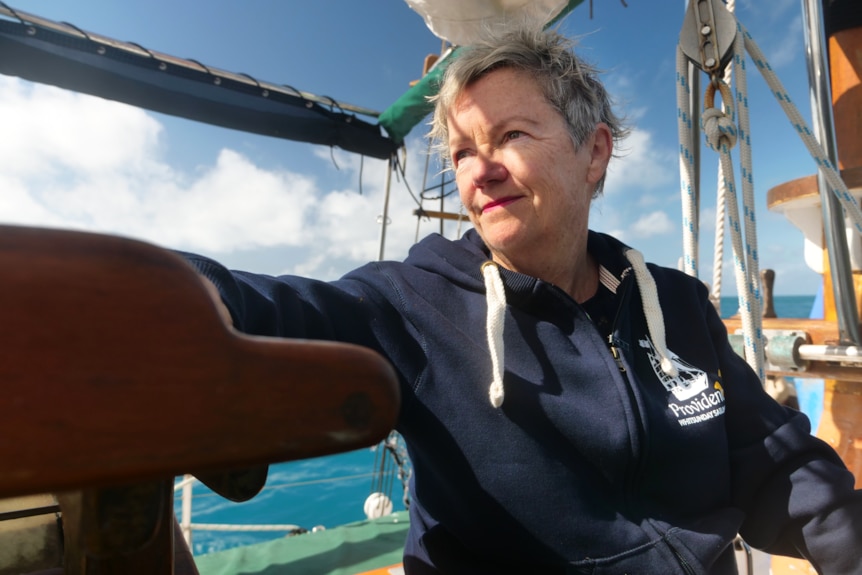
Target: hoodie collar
point(615, 260)
point(608, 252)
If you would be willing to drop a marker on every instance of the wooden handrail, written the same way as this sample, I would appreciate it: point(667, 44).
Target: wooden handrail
point(119, 368)
point(118, 372)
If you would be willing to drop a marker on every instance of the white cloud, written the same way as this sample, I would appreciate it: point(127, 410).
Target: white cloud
point(789, 46)
point(619, 234)
point(770, 12)
point(50, 132)
point(642, 165)
point(75, 161)
point(232, 205)
point(345, 227)
point(652, 224)
point(645, 177)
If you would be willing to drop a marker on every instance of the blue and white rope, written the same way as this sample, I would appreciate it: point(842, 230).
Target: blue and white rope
point(751, 302)
point(746, 261)
point(721, 135)
point(686, 166)
point(720, 210)
point(836, 184)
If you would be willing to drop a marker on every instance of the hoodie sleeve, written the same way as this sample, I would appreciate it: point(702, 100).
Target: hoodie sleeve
point(798, 495)
point(356, 310)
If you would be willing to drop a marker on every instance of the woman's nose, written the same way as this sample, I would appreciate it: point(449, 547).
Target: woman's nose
point(487, 169)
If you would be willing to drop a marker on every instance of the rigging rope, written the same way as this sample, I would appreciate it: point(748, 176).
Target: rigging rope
point(721, 205)
point(686, 166)
point(830, 172)
point(721, 135)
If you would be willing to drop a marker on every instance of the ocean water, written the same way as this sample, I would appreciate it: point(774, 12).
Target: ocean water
point(330, 491)
point(311, 493)
point(785, 306)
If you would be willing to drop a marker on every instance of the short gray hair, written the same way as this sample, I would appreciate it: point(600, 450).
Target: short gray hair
point(569, 84)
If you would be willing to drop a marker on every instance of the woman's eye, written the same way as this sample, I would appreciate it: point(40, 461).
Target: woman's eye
point(514, 134)
point(458, 156)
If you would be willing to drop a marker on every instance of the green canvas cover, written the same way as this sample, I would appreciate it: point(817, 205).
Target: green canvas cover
point(345, 550)
point(408, 110)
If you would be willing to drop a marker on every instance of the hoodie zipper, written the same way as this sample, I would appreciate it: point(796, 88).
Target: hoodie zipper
point(683, 562)
point(639, 459)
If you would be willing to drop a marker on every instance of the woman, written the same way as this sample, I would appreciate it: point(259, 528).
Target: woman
point(554, 424)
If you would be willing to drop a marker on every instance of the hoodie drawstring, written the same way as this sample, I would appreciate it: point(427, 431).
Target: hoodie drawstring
point(495, 295)
point(652, 309)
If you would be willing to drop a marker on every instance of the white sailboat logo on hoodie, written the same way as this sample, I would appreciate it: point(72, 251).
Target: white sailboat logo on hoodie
point(689, 381)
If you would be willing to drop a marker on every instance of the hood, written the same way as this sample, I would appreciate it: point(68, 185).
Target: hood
point(467, 263)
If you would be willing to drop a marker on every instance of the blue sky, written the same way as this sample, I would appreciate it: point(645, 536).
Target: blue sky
point(274, 206)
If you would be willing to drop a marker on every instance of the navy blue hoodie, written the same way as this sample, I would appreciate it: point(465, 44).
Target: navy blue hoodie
point(596, 462)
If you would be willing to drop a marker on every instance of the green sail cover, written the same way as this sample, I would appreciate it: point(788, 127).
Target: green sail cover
point(408, 110)
point(344, 550)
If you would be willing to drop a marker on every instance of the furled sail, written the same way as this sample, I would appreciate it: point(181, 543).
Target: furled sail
point(459, 22)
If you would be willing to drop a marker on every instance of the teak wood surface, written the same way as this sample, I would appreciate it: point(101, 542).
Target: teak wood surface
point(118, 369)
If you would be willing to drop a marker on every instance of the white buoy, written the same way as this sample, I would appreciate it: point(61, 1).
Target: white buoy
point(377, 505)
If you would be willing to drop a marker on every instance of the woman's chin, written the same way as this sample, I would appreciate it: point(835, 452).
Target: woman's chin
point(506, 247)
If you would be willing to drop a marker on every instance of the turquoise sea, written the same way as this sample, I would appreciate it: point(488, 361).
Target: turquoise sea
point(330, 491)
point(785, 306)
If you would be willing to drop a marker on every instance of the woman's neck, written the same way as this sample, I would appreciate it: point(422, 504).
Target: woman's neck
point(578, 276)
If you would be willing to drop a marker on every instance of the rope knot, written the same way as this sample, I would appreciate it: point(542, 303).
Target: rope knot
point(718, 128)
point(717, 124)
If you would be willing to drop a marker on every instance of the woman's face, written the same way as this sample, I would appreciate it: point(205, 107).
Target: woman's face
point(526, 189)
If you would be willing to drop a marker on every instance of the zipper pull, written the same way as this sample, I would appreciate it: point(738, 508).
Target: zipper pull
point(615, 351)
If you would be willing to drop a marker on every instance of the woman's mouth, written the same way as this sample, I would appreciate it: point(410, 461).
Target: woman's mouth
point(499, 203)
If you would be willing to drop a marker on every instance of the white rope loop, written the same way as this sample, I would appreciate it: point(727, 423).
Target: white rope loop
point(721, 136)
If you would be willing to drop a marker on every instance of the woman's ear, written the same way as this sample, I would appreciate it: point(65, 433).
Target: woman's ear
point(602, 143)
